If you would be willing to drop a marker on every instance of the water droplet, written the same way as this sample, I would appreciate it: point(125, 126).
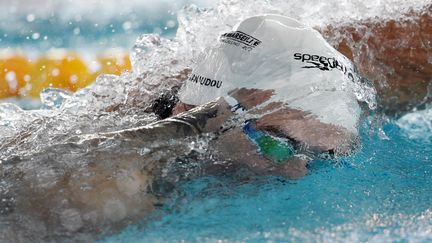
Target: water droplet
point(31, 17)
point(127, 25)
point(55, 72)
point(73, 79)
point(77, 31)
point(35, 36)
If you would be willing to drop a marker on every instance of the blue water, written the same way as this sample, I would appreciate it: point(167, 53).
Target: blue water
point(85, 24)
point(95, 36)
point(383, 192)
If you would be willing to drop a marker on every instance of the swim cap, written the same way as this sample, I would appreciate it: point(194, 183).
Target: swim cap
point(273, 52)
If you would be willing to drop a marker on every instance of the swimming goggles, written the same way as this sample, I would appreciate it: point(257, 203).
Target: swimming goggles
point(277, 150)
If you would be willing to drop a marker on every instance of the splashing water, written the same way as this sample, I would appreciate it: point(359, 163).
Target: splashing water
point(417, 125)
point(42, 147)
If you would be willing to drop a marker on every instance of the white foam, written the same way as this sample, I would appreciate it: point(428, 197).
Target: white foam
point(417, 125)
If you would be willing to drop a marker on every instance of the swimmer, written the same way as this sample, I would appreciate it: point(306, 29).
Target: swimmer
point(383, 55)
point(395, 51)
point(297, 90)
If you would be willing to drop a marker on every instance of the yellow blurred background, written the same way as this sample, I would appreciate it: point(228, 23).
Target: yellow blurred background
point(25, 76)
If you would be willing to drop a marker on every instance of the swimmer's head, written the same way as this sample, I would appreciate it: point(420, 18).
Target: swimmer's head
point(272, 52)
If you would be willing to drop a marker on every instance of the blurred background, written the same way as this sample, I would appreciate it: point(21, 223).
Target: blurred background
point(67, 44)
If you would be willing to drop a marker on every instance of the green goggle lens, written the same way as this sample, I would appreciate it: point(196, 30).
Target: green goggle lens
point(274, 149)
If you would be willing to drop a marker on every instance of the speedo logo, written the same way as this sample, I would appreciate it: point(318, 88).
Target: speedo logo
point(323, 63)
point(238, 38)
point(205, 81)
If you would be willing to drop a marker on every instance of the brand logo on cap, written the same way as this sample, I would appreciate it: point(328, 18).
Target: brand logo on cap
point(324, 63)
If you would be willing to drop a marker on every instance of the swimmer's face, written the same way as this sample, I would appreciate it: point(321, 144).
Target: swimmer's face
point(310, 135)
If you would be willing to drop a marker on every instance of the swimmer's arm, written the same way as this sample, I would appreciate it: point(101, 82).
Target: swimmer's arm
point(201, 119)
point(397, 51)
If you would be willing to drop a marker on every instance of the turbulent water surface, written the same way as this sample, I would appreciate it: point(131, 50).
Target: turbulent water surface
point(382, 193)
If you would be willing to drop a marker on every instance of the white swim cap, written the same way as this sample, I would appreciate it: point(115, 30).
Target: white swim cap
point(281, 54)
